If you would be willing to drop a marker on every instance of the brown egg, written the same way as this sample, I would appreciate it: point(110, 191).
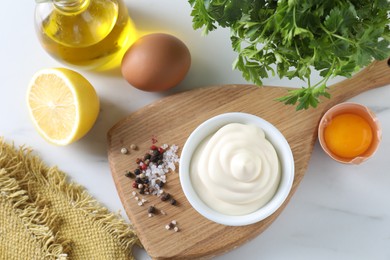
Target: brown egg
point(156, 62)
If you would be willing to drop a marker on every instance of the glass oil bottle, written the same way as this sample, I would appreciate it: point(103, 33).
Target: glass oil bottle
point(88, 34)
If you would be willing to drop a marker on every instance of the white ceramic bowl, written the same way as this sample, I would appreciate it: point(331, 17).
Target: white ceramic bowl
point(272, 134)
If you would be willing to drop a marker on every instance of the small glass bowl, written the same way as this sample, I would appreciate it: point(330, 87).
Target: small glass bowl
point(357, 109)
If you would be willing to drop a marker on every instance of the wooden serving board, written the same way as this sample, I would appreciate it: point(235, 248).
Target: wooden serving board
point(172, 119)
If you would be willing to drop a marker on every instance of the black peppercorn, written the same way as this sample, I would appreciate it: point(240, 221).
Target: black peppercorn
point(151, 209)
point(147, 156)
point(129, 174)
point(161, 184)
point(173, 202)
point(169, 226)
point(165, 196)
point(137, 171)
point(156, 153)
point(141, 191)
point(154, 159)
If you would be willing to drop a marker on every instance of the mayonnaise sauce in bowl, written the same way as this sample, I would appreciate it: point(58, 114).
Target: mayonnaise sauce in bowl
point(236, 169)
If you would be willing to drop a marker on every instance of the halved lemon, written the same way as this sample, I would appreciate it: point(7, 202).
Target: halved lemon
point(63, 105)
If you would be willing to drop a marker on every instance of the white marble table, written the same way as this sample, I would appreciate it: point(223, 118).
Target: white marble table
point(338, 211)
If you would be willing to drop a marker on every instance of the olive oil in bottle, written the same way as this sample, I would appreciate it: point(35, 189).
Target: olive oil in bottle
point(89, 34)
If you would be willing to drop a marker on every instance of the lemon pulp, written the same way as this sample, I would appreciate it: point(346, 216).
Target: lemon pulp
point(63, 105)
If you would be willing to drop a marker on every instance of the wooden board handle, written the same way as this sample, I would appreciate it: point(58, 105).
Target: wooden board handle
point(377, 74)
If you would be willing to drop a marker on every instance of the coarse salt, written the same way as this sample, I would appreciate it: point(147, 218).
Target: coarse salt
point(158, 172)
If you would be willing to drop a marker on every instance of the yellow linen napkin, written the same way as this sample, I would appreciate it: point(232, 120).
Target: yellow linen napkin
point(43, 216)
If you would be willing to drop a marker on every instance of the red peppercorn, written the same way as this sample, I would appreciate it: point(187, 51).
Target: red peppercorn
point(161, 150)
point(153, 147)
point(143, 166)
point(135, 185)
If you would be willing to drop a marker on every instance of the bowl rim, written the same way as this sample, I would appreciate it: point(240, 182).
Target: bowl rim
point(286, 161)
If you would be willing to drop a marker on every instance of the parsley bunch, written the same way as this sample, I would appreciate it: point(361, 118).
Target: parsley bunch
point(291, 37)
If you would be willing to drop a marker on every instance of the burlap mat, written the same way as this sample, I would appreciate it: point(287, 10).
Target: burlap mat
point(43, 216)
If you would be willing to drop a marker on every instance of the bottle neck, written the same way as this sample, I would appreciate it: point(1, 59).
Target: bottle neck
point(71, 6)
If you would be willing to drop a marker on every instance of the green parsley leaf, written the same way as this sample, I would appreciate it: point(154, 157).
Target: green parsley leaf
point(292, 38)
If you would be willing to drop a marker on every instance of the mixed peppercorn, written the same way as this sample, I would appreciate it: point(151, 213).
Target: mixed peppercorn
point(142, 180)
point(149, 175)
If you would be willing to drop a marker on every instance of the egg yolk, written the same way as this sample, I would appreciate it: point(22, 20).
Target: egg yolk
point(348, 135)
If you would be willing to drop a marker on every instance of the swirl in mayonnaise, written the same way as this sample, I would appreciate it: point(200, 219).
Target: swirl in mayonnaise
point(236, 170)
